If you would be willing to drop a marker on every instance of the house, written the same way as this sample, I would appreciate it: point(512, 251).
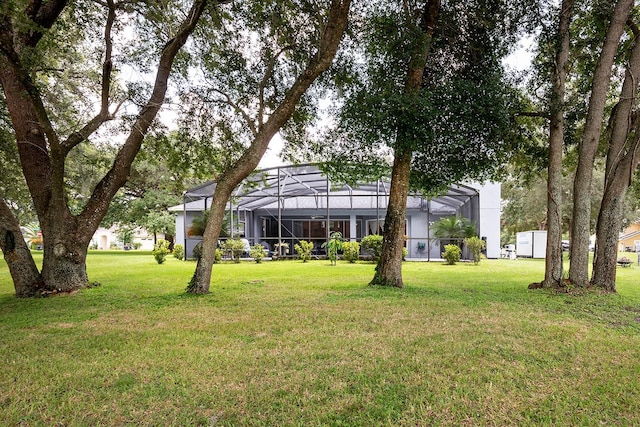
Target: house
point(629, 240)
point(107, 238)
point(287, 204)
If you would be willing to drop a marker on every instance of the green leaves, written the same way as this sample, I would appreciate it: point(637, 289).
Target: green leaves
point(458, 126)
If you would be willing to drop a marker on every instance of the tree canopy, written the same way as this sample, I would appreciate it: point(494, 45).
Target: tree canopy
point(460, 124)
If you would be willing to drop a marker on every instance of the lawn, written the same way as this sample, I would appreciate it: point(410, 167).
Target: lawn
point(287, 343)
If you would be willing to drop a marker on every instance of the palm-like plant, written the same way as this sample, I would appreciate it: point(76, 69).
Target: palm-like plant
point(456, 228)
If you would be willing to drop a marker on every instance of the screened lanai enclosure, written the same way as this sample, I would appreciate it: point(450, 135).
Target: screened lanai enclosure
point(280, 206)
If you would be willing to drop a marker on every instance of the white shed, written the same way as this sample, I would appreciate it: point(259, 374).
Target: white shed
point(531, 244)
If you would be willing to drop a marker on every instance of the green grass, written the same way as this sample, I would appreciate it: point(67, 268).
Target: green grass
point(287, 343)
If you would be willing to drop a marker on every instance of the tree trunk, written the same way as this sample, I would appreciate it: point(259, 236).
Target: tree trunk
point(389, 268)
point(201, 279)
point(579, 251)
point(553, 260)
point(65, 254)
point(622, 160)
point(335, 25)
point(26, 277)
point(607, 231)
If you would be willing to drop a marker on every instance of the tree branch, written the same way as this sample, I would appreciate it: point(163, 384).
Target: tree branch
point(228, 101)
point(107, 67)
point(268, 74)
point(541, 114)
point(97, 206)
point(43, 14)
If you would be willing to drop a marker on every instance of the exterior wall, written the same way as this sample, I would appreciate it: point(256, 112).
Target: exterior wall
point(630, 238)
point(179, 239)
point(146, 240)
point(421, 243)
point(489, 223)
point(103, 238)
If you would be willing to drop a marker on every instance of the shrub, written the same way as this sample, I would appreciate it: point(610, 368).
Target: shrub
point(453, 229)
point(405, 254)
point(351, 251)
point(304, 250)
point(257, 252)
point(137, 245)
point(475, 246)
point(281, 249)
point(451, 254)
point(178, 251)
point(234, 247)
point(160, 250)
point(334, 245)
point(373, 245)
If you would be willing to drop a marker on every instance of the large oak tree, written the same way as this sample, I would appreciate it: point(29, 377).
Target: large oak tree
point(42, 46)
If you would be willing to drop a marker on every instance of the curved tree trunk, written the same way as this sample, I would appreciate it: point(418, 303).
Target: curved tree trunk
point(622, 161)
point(336, 23)
point(389, 268)
point(579, 251)
point(553, 260)
point(26, 277)
point(609, 224)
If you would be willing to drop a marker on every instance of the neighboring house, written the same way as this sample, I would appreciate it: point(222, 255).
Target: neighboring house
point(629, 239)
point(107, 238)
point(103, 238)
point(292, 203)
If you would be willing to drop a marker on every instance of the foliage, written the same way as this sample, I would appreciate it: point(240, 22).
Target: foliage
point(257, 252)
point(454, 229)
point(160, 250)
point(234, 248)
point(157, 182)
point(405, 254)
point(178, 251)
point(198, 224)
point(333, 246)
point(476, 245)
point(451, 254)
point(13, 187)
point(372, 244)
point(466, 100)
point(30, 233)
point(351, 251)
point(256, 73)
point(125, 236)
point(304, 250)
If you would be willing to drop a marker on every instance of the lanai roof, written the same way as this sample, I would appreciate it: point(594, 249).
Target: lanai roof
point(263, 188)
